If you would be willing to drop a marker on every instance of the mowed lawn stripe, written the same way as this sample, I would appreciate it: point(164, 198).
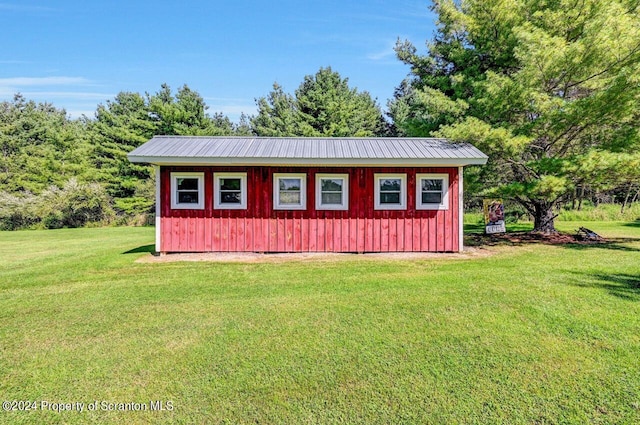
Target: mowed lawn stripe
point(523, 334)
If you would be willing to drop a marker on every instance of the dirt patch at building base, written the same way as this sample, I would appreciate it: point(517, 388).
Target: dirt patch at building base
point(254, 257)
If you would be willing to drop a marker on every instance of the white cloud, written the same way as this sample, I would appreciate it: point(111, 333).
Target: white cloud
point(384, 54)
point(47, 85)
point(69, 95)
point(381, 55)
point(24, 8)
point(42, 81)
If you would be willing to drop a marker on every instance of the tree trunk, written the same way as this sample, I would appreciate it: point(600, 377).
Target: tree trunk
point(544, 219)
point(581, 198)
point(626, 198)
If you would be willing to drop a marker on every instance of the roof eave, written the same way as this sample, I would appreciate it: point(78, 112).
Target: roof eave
point(320, 162)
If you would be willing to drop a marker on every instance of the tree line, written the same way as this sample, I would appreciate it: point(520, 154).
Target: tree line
point(61, 172)
point(549, 90)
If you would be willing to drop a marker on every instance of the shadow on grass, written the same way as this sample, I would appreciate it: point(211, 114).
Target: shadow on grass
point(613, 244)
point(621, 285)
point(633, 223)
point(565, 240)
point(143, 248)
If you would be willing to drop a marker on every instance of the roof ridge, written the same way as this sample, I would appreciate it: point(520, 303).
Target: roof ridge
point(395, 138)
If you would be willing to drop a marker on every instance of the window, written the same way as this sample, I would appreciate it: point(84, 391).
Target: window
point(187, 191)
point(432, 191)
point(390, 191)
point(332, 191)
point(230, 191)
point(289, 191)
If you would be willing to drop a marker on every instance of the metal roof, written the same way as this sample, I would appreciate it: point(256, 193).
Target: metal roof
point(373, 151)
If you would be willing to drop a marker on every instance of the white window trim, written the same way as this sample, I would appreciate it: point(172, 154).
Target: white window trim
point(174, 191)
point(217, 205)
point(403, 192)
point(345, 192)
point(276, 191)
point(444, 205)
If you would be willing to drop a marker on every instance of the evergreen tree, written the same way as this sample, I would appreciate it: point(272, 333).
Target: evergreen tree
point(276, 115)
point(122, 125)
point(43, 152)
point(243, 127)
point(324, 105)
point(540, 86)
point(185, 114)
point(40, 146)
point(132, 119)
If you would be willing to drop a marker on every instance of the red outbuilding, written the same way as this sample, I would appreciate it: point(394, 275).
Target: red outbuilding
point(259, 194)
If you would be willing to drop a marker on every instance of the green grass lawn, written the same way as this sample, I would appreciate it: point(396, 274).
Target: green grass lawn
point(524, 334)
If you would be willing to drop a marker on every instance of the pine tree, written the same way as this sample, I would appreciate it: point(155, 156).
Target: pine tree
point(539, 86)
point(323, 105)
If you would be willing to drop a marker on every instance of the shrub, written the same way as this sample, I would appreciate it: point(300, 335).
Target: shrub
point(17, 211)
point(75, 205)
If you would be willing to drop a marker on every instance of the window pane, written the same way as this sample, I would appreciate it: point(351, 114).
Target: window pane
point(229, 184)
point(332, 199)
point(331, 185)
point(187, 197)
point(290, 198)
point(390, 185)
point(187, 184)
point(290, 184)
point(431, 197)
point(230, 197)
point(389, 198)
point(432, 184)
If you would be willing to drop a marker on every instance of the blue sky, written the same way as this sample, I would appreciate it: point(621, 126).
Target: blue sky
point(77, 54)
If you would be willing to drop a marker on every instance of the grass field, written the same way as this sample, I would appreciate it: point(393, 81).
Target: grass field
point(520, 334)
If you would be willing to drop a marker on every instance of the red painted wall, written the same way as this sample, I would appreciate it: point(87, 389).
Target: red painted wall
point(260, 228)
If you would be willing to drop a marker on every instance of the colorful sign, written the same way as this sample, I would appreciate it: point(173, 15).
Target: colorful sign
point(493, 216)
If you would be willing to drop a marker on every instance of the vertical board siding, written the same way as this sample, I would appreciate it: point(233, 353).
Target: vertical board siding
point(260, 228)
